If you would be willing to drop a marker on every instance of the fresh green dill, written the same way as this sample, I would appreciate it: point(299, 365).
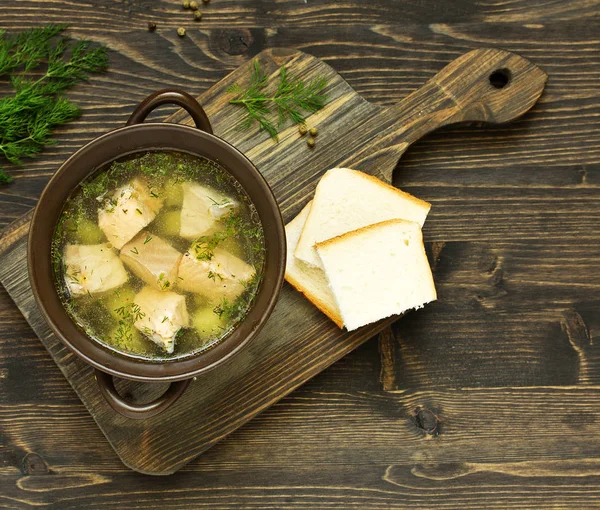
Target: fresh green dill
point(56, 246)
point(235, 225)
point(213, 275)
point(139, 211)
point(235, 310)
point(165, 319)
point(163, 283)
point(124, 333)
point(204, 247)
point(293, 99)
point(222, 308)
point(29, 115)
point(134, 250)
point(96, 187)
point(130, 312)
point(4, 177)
point(148, 239)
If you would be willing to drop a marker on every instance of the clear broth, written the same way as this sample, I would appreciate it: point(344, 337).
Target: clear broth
point(108, 316)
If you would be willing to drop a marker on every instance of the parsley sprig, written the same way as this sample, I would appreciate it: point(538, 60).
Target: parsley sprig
point(293, 99)
point(36, 107)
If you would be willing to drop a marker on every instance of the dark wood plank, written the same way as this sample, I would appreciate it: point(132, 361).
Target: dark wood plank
point(353, 133)
point(366, 450)
point(550, 151)
point(111, 16)
point(555, 144)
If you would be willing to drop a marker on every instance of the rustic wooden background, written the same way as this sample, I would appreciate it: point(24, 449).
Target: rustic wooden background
point(489, 398)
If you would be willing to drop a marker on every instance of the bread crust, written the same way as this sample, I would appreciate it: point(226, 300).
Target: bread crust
point(352, 233)
point(417, 201)
point(384, 184)
point(315, 300)
point(333, 314)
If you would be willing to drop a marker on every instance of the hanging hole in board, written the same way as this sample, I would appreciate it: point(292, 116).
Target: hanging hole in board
point(500, 78)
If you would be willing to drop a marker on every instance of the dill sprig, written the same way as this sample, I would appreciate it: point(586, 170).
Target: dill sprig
point(293, 99)
point(30, 114)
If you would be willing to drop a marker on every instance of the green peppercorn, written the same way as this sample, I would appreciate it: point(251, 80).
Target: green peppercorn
point(181, 31)
point(198, 15)
point(302, 129)
point(194, 5)
point(313, 131)
point(151, 26)
point(186, 4)
point(310, 142)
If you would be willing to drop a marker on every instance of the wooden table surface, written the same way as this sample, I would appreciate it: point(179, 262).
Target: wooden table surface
point(490, 398)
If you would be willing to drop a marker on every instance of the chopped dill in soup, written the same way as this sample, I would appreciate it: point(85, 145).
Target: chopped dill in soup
point(158, 255)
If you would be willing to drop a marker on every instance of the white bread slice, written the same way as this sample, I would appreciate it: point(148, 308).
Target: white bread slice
point(309, 280)
point(378, 271)
point(346, 200)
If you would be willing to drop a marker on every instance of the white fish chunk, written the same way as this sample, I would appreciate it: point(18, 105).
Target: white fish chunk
point(152, 259)
point(92, 268)
point(222, 277)
point(131, 208)
point(164, 314)
point(202, 208)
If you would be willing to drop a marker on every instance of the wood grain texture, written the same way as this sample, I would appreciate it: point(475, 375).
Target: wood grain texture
point(534, 180)
point(353, 133)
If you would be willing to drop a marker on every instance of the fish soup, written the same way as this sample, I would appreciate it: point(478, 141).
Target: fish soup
point(158, 255)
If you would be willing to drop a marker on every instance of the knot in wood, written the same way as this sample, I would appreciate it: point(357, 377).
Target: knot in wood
point(33, 464)
point(427, 421)
point(235, 41)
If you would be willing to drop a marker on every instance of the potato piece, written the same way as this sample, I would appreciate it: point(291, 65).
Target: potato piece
point(173, 194)
point(234, 247)
point(87, 232)
point(208, 324)
point(126, 338)
point(132, 208)
point(168, 223)
point(92, 269)
point(152, 259)
point(123, 296)
point(164, 314)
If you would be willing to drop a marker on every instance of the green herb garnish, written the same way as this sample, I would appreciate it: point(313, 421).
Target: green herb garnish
point(135, 251)
point(235, 310)
point(96, 187)
point(204, 247)
point(293, 99)
point(235, 225)
point(212, 275)
point(124, 333)
point(29, 115)
point(130, 312)
point(148, 239)
point(162, 282)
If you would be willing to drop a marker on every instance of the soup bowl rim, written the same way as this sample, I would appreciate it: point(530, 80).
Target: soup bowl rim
point(134, 368)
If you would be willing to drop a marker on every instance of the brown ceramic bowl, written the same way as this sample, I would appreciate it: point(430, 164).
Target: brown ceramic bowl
point(135, 137)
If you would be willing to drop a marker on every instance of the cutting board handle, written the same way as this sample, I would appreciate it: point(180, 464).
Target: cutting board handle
point(484, 85)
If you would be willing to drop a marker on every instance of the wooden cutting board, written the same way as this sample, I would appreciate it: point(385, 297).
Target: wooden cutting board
point(298, 341)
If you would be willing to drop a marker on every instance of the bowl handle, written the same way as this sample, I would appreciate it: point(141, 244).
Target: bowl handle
point(171, 96)
point(138, 411)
